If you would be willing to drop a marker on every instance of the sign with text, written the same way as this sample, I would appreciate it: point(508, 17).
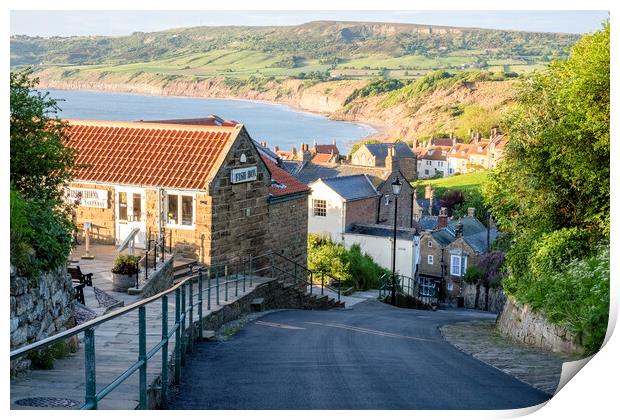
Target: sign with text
point(88, 197)
point(240, 175)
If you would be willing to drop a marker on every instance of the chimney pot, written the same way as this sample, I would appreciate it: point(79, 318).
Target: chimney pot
point(471, 212)
point(442, 220)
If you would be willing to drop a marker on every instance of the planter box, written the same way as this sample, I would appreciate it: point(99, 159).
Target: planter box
point(122, 282)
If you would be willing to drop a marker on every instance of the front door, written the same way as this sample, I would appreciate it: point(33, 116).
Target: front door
point(130, 214)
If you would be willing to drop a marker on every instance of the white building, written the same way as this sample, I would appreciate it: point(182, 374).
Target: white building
point(377, 241)
point(338, 202)
point(433, 162)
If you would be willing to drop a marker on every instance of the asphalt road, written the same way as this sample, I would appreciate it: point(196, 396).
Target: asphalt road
point(372, 356)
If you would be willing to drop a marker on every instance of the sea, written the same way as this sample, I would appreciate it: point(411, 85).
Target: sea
point(276, 124)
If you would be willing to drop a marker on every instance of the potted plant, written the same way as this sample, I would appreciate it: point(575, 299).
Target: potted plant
point(124, 272)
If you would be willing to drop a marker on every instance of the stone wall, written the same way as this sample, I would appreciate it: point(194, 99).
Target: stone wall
point(522, 324)
point(103, 222)
point(288, 227)
point(405, 203)
point(497, 299)
point(40, 308)
point(158, 281)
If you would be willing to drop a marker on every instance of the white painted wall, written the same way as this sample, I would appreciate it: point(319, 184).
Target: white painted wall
point(433, 166)
point(332, 224)
point(380, 249)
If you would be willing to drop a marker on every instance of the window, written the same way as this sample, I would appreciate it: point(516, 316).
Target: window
point(427, 287)
point(319, 208)
point(137, 207)
point(430, 244)
point(425, 171)
point(122, 206)
point(180, 210)
point(458, 265)
point(429, 163)
point(430, 259)
point(387, 199)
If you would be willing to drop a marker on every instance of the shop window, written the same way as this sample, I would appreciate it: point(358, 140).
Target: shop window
point(180, 210)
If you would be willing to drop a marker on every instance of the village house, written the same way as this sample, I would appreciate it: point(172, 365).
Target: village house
point(384, 155)
point(336, 203)
point(447, 251)
point(203, 181)
point(433, 162)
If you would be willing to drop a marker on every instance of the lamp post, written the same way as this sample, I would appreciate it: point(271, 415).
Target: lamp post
point(396, 185)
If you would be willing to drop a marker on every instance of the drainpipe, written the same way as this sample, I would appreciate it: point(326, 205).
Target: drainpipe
point(159, 210)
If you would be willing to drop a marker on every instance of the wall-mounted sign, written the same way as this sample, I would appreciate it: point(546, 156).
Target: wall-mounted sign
point(240, 175)
point(88, 198)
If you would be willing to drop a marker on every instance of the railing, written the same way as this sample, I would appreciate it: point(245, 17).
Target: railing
point(422, 290)
point(152, 248)
point(239, 271)
point(128, 240)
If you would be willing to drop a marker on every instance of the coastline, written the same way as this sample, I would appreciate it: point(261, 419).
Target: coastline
point(378, 130)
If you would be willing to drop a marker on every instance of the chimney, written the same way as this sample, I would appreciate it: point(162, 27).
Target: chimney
point(451, 135)
point(454, 141)
point(390, 150)
point(471, 212)
point(294, 152)
point(442, 220)
point(334, 142)
point(458, 230)
point(429, 194)
point(276, 148)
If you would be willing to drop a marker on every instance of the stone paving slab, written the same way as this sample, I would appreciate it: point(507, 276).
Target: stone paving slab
point(116, 345)
point(482, 340)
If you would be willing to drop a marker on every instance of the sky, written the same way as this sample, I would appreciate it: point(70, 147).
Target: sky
point(124, 22)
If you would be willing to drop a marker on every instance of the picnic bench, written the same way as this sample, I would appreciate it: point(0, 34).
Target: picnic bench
point(76, 274)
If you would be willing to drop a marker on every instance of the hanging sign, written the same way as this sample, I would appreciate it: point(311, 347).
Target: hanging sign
point(88, 197)
point(240, 175)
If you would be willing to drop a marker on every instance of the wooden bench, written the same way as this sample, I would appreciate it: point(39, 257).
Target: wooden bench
point(76, 274)
point(79, 292)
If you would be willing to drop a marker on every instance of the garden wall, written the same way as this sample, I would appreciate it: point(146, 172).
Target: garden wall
point(497, 299)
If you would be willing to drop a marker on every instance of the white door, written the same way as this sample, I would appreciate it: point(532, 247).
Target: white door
point(130, 214)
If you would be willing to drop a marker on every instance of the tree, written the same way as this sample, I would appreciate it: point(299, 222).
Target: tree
point(40, 162)
point(551, 192)
point(452, 198)
point(40, 167)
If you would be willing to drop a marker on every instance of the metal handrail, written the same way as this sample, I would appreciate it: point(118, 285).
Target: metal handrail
point(128, 239)
point(243, 270)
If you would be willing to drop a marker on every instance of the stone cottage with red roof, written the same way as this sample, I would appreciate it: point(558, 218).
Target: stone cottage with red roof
point(204, 180)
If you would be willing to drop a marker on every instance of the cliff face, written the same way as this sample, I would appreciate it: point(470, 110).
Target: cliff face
point(406, 120)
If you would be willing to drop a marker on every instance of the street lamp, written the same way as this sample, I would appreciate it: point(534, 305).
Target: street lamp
point(396, 185)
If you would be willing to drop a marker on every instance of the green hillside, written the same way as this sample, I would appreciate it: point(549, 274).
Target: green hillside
point(311, 50)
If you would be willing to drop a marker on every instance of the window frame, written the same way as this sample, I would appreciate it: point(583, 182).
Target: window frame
point(315, 207)
point(462, 265)
point(430, 260)
point(180, 194)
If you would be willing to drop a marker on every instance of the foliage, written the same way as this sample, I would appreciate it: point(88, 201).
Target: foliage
point(126, 264)
point(473, 275)
point(452, 198)
point(349, 266)
point(476, 118)
point(551, 192)
point(490, 264)
point(374, 88)
point(44, 359)
point(41, 165)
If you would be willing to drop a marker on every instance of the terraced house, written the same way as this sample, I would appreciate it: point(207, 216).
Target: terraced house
point(203, 181)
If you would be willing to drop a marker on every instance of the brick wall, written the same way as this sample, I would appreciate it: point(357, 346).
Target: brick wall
point(405, 203)
point(288, 227)
point(361, 211)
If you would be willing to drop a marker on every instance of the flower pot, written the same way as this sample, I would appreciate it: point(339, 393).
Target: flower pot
point(122, 282)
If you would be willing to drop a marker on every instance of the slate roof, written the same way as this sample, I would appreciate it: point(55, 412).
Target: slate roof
point(474, 233)
point(380, 150)
point(148, 154)
point(428, 222)
point(350, 188)
point(381, 230)
point(311, 172)
point(326, 149)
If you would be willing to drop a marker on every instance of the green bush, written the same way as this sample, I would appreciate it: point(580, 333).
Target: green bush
point(350, 266)
point(126, 264)
point(44, 359)
point(473, 274)
point(553, 251)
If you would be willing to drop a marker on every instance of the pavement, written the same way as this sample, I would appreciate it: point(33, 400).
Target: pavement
point(116, 349)
point(482, 340)
point(373, 356)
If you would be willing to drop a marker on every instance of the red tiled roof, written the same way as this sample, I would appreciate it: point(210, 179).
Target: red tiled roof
point(436, 153)
point(327, 149)
point(288, 183)
point(322, 158)
point(148, 154)
point(212, 120)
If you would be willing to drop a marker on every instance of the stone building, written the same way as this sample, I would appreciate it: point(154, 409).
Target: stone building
point(385, 211)
point(391, 156)
point(202, 180)
point(447, 251)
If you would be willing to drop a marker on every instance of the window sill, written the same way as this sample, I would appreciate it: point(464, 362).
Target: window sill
point(182, 227)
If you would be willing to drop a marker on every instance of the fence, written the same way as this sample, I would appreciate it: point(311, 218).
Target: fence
point(152, 248)
point(424, 291)
point(241, 272)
